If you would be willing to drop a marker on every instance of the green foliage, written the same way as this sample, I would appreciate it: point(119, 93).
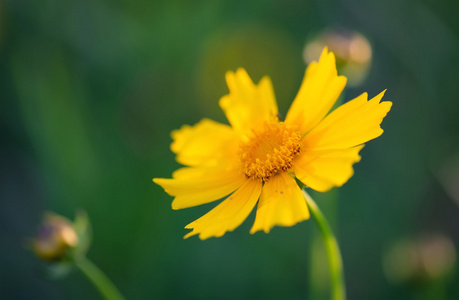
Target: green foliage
point(92, 89)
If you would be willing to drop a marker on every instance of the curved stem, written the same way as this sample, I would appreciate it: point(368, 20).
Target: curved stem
point(98, 279)
point(332, 249)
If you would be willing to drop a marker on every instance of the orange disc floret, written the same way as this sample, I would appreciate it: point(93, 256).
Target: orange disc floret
point(270, 150)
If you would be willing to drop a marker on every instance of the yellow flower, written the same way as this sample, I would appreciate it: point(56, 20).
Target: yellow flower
point(258, 157)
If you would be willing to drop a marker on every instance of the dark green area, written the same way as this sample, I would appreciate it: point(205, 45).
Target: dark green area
point(90, 91)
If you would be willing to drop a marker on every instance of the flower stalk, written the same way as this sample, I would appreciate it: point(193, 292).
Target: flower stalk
point(338, 289)
point(98, 279)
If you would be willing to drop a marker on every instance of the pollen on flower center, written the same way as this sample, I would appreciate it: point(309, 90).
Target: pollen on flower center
point(270, 150)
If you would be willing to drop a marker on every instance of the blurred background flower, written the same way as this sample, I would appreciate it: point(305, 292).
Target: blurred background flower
point(91, 89)
point(55, 238)
point(352, 50)
point(420, 260)
point(424, 264)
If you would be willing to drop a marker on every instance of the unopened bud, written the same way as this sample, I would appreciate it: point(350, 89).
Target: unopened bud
point(56, 236)
point(352, 51)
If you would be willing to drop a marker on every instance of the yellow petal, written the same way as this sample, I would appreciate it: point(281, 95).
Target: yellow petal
point(281, 203)
point(207, 142)
point(229, 214)
point(319, 90)
point(322, 170)
point(196, 186)
point(351, 124)
point(248, 105)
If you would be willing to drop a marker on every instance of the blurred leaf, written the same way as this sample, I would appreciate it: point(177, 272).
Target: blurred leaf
point(84, 233)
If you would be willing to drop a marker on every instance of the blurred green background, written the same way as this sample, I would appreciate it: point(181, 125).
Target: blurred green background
point(90, 91)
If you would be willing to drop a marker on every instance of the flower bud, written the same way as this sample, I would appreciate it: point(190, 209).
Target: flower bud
point(420, 260)
point(352, 51)
point(56, 236)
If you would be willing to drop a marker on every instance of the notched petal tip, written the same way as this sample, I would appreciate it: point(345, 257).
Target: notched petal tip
point(266, 81)
point(201, 144)
point(174, 205)
point(323, 170)
point(229, 214)
point(342, 80)
point(253, 230)
point(159, 181)
point(247, 104)
point(378, 97)
point(281, 204)
point(327, 58)
point(237, 77)
point(189, 234)
point(324, 52)
point(242, 72)
point(229, 74)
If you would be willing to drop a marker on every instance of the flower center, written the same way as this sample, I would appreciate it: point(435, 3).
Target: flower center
point(270, 150)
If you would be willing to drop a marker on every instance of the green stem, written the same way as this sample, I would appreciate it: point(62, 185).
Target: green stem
point(98, 279)
point(332, 249)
